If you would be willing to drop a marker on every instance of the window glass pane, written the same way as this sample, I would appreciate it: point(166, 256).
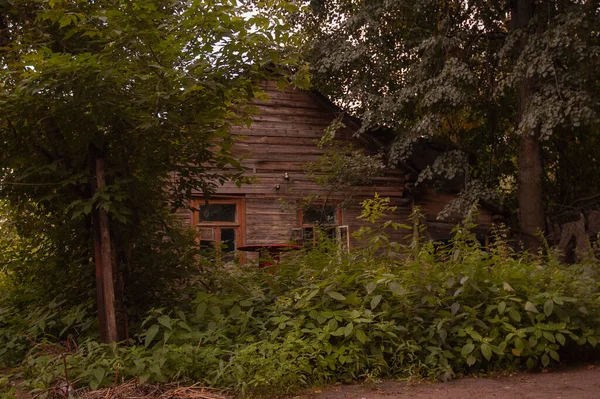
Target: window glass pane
point(217, 213)
point(329, 233)
point(319, 214)
point(308, 235)
point(227, 240)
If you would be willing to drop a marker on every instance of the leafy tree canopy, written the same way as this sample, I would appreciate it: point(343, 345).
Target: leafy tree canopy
point(151, 87)
point(152, 84)
point(478, 75)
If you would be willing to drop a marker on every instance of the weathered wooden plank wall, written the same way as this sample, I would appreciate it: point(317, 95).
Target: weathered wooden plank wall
point(283, 139)
point(431, 203)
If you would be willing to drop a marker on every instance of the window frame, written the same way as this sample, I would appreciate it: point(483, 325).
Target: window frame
point(239, 225)
point(338, 217)
point(304, 226)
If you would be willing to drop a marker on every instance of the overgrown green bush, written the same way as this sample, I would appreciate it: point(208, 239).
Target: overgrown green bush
point(21, 330)
point(47, 286)
point(326, 316)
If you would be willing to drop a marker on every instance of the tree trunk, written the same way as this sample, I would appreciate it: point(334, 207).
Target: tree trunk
point(120, 311)
point(531, 207)
point(99, 277)
point(105, 291)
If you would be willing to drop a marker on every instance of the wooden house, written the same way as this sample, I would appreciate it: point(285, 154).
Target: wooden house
point(275, 150)
point(432, 201)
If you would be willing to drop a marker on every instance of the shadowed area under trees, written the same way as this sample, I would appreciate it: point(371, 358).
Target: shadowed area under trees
point(513, 84)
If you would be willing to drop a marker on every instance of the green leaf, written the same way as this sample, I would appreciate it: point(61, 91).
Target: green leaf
point(592, 341)
point(371, 287)
point(185, 326)
point(475, 335)
point(201, 309)
point(530, 363)
point(155, 369)
point(545, 360)
point(532, 341)
point(467, 349)
point(443, 334)
point(395, 288)
point(530, 307)
point(333, 324)
point(514, 314)
point(554, 355)
point(165, 321)
point(348, 329)
point(558, 300)
point(455, 308)
point(181, 315)
point(548, 307)
point(150, 334)
point(99, 374)
point(501, 307)
point(167, 334)
point(471, 360)
point(235, 312)
point(486, 351)
point(549, 336)
point(339, 332)
point(312, 294)
point(375, 301)
point(336, 295)
point(519, 344)
point(361, 336)
point(65, 20)
point(455, 258)
point(560, 339)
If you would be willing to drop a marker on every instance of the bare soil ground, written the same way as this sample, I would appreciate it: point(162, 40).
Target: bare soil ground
point(582, 382)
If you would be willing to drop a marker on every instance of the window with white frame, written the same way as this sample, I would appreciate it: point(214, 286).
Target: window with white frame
point(322, 218)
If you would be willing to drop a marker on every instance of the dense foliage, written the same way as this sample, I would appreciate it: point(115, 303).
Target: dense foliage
point(514, 85)
point(412, 311)
point(150, 89)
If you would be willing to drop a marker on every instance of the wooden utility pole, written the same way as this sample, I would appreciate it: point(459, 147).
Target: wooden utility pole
point(105, 291)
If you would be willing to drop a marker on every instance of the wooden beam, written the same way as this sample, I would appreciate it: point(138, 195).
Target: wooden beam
point(104, 263)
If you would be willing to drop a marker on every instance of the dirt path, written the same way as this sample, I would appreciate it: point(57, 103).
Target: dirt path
point(576, 383)
point(573, 383)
